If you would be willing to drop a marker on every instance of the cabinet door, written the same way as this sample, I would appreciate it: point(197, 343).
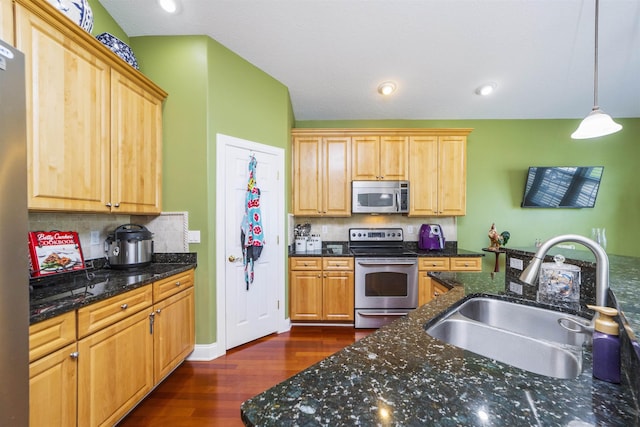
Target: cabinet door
point(394, 158)
point(338, 296)
point(452, 159)
point(305, 296)
point(423, 170)
point(6, 21)
point(173, 332)
point(365, 158)
point(439, 289)
point(136, 151)
point(425, 288)
point(336, 187)
point(52, 389)
point(307, 176)
point(49, 335)
point(115, 370)
point(67, 119)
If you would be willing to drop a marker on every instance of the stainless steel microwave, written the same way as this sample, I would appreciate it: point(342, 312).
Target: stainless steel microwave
point(384, 197)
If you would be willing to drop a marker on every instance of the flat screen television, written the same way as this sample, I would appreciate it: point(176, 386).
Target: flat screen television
point(562, 187)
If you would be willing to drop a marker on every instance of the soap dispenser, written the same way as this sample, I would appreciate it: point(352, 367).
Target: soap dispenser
point(606, 345)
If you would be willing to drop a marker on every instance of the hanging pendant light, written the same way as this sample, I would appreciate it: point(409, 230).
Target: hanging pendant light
point(597, 123)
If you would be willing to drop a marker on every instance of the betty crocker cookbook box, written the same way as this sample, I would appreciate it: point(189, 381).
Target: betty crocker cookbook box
point(54, 252)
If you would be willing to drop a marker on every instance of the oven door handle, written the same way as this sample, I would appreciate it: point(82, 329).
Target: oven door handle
point(380, 314)
point(386, 262)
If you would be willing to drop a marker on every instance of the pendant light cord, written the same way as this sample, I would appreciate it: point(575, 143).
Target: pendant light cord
point(595, 67)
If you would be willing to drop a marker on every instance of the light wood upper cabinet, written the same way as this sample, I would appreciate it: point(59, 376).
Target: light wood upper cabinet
point(67, 130)
point(136, 153)
point(6, 21)
point(380, 158)
point(438, 167)
point(93, 122)
point(433, 160)
point(322, 176)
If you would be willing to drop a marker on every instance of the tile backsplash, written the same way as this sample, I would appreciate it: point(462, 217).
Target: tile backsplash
point(337, 229)
point(169, 229)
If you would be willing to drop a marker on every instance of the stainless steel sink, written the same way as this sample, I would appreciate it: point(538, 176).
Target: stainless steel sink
point(534, 322)
point(527, 337)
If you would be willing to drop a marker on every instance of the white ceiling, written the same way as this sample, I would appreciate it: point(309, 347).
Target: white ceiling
point(332, 54)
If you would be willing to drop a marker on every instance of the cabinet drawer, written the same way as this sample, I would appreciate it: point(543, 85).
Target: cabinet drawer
point(338, 263)
point(172, 285)
point(96, 316)
point(433, 264)
point(466, 264)
point(47, 336)
point(305, 263)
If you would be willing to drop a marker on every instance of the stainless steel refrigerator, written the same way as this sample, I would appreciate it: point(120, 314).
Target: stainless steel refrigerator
point(14, 256)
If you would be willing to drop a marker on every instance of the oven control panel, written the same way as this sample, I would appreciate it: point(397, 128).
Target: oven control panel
point(376, 235)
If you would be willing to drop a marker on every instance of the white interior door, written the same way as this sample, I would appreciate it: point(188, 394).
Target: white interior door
point(251, 313)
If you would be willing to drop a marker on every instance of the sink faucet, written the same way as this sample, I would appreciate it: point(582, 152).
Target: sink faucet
point(602, 263)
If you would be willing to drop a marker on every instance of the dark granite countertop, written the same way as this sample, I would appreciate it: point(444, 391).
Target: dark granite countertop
point(341, 249)
point(55, 295)
point(400, 376)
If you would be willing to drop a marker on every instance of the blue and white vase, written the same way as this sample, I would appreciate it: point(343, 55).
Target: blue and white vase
point(78, 11)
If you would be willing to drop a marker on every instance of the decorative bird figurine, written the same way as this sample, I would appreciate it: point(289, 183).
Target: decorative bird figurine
point(496, 239)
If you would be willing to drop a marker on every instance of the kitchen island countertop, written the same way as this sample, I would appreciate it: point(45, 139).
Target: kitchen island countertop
point(399, 375)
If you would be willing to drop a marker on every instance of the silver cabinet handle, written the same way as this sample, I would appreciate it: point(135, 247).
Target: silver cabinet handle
point(178, 283)
point(152, 317)
point(158, 310)
point(74, 355)
point(108, 204)
point(124, 306)
point(117, 205)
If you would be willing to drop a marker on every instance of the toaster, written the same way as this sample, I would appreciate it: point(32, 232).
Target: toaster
point(431, 237)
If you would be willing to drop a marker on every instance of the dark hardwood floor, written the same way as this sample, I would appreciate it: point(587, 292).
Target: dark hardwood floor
point(210, 393)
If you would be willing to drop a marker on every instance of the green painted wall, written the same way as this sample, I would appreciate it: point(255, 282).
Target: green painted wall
point(499, 154)
point(104, 23)
point(211, 90)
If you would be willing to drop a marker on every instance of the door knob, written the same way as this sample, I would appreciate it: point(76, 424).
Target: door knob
point(234, 258)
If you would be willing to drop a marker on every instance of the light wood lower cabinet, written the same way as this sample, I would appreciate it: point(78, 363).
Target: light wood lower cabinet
point(53, 372)
point(128, 344)
point(429, 288)
point(321, 289)
point(173, 332)
point(115, 370)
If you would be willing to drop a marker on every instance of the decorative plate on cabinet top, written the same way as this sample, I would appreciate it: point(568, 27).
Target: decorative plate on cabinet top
point(78, 11)
point(119, 47)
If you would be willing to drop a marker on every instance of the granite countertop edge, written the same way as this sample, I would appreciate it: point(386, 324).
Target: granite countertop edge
point(71, 291)
point(341, 249)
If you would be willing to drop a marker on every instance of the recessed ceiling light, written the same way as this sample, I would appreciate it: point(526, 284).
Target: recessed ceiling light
point(386, 88)
point(486, 89)
point(169, 6)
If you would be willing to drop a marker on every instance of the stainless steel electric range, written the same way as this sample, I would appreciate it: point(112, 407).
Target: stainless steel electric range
point(386, 276)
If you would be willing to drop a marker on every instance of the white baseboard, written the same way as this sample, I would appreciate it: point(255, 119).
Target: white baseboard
point(284, 325)
point(206, 352)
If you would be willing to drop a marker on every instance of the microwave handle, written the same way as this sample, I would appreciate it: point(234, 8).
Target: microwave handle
point(398, 201)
